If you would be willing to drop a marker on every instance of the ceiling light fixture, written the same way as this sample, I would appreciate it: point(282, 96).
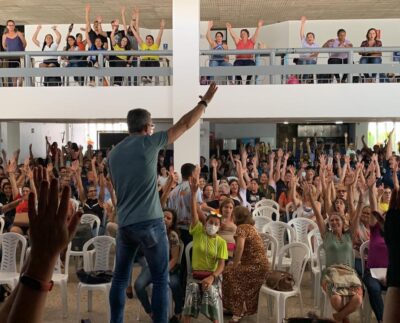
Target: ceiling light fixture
point(339, 122)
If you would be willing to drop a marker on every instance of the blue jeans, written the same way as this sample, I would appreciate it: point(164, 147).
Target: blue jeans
point(144, 280)
point(151, 236)
point(303, 61)
point(216, 63)
point(370, 60)
point(375, 289)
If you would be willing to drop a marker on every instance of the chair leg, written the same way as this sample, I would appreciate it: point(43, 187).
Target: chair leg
point(108, 287)
point(301, 304)
point(280, 313)
point(64, 297)
point(90, 300)
point(78, 303)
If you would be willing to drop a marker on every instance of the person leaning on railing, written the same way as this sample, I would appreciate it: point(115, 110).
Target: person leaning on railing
point(244, 42)
point(13, 41)
point(339, 58)
point(120, 60)
point(371, 58)
point(73, 61)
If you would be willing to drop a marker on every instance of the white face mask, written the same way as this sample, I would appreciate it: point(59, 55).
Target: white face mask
point(212, 229)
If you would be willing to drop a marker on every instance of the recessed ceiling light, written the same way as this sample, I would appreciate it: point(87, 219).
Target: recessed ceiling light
point(339, 122)
point(285, 122)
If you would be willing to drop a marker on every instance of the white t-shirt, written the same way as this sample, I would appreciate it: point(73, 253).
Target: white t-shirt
point(52, 48)
point(304, 44)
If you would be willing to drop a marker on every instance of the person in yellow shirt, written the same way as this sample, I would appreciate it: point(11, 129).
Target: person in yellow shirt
point(208, 261)
point(150, 45)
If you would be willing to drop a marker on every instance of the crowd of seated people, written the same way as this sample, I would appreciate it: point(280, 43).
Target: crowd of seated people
point(346, 192)
point(94, 38)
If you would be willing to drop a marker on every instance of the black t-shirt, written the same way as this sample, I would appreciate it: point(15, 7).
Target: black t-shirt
point(253, 198)
point(93, 36)
point(93, 207)
point(392, 239)
point(10, 215)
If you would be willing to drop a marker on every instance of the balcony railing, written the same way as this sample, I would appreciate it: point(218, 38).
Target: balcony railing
point(278, 66)
point(83, 72)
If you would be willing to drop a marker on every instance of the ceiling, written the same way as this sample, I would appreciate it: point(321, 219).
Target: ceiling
point(241, 13)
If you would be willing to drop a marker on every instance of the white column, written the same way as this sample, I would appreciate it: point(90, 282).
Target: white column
point(186, 18)
point(205, 140)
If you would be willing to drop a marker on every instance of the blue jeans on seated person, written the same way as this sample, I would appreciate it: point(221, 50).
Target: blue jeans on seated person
point(151, 236)
point(375, 288)
point(305, 61)
point(243, 62)
point(144, 280)
point(370, 60)
point(216, 63)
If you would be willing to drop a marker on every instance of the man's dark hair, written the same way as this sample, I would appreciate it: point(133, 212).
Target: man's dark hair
point(187, 170)
point(137, 120)
point(341, 30)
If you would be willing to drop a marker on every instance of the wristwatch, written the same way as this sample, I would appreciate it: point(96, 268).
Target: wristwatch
point(203, 103)
point(36, 284)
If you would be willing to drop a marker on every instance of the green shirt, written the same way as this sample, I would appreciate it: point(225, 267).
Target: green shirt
point(338, 252)
point(207, 251)
point(133, 168)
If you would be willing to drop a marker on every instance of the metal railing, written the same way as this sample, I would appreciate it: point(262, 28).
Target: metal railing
point(103, 74)
point(276, 65)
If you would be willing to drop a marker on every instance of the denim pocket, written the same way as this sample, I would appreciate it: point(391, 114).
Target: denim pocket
point(153, 235)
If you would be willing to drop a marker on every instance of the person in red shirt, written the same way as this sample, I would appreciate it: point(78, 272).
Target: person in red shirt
point(244, 42)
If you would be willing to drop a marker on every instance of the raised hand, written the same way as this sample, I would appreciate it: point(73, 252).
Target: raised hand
point(303, 19)
point(260, 23)
point(87, 8)
point(371, 180)
point(194, 180)
point(210, 24)
point(208, 96)
point(228, 25)
point(214, 163)
point(49, 231)
point(39, 27)
point(162, 24)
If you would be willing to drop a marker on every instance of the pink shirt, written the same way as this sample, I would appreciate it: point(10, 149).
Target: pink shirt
point(248, 45)
point(377, 253)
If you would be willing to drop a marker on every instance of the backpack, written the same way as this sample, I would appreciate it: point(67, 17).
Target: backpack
point(83, 234)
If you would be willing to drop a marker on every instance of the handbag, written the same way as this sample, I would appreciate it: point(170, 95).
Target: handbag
point(281, 281)
point(21, 219)
point(94, 277)
point(201, 274)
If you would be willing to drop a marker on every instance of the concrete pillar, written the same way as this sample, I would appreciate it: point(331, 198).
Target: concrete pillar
point(186, 17)
point(361, 129)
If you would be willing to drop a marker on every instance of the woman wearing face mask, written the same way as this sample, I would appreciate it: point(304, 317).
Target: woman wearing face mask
point(345, 298)
point(228, 227)
point(244, 278)
point(144, 278)
point(208, 261)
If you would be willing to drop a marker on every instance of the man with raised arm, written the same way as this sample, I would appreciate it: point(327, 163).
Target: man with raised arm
point(133, 170)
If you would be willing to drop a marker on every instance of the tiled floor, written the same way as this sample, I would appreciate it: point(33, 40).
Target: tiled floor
point(53, 312)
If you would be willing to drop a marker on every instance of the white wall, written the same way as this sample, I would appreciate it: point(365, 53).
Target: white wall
point(35, 133)
point(244, 130)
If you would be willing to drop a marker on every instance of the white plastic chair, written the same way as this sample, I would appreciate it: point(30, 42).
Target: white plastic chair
point(101, 253)
point(302, 226)
point(189, 274)
point(271, 247)
point(91, 219)
point(260, 222)
point(8, 270)
point(60, 277)
point(299, 255)
point(267, 202)
point(265, 211)
point(314, 241)
point(281, 231)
